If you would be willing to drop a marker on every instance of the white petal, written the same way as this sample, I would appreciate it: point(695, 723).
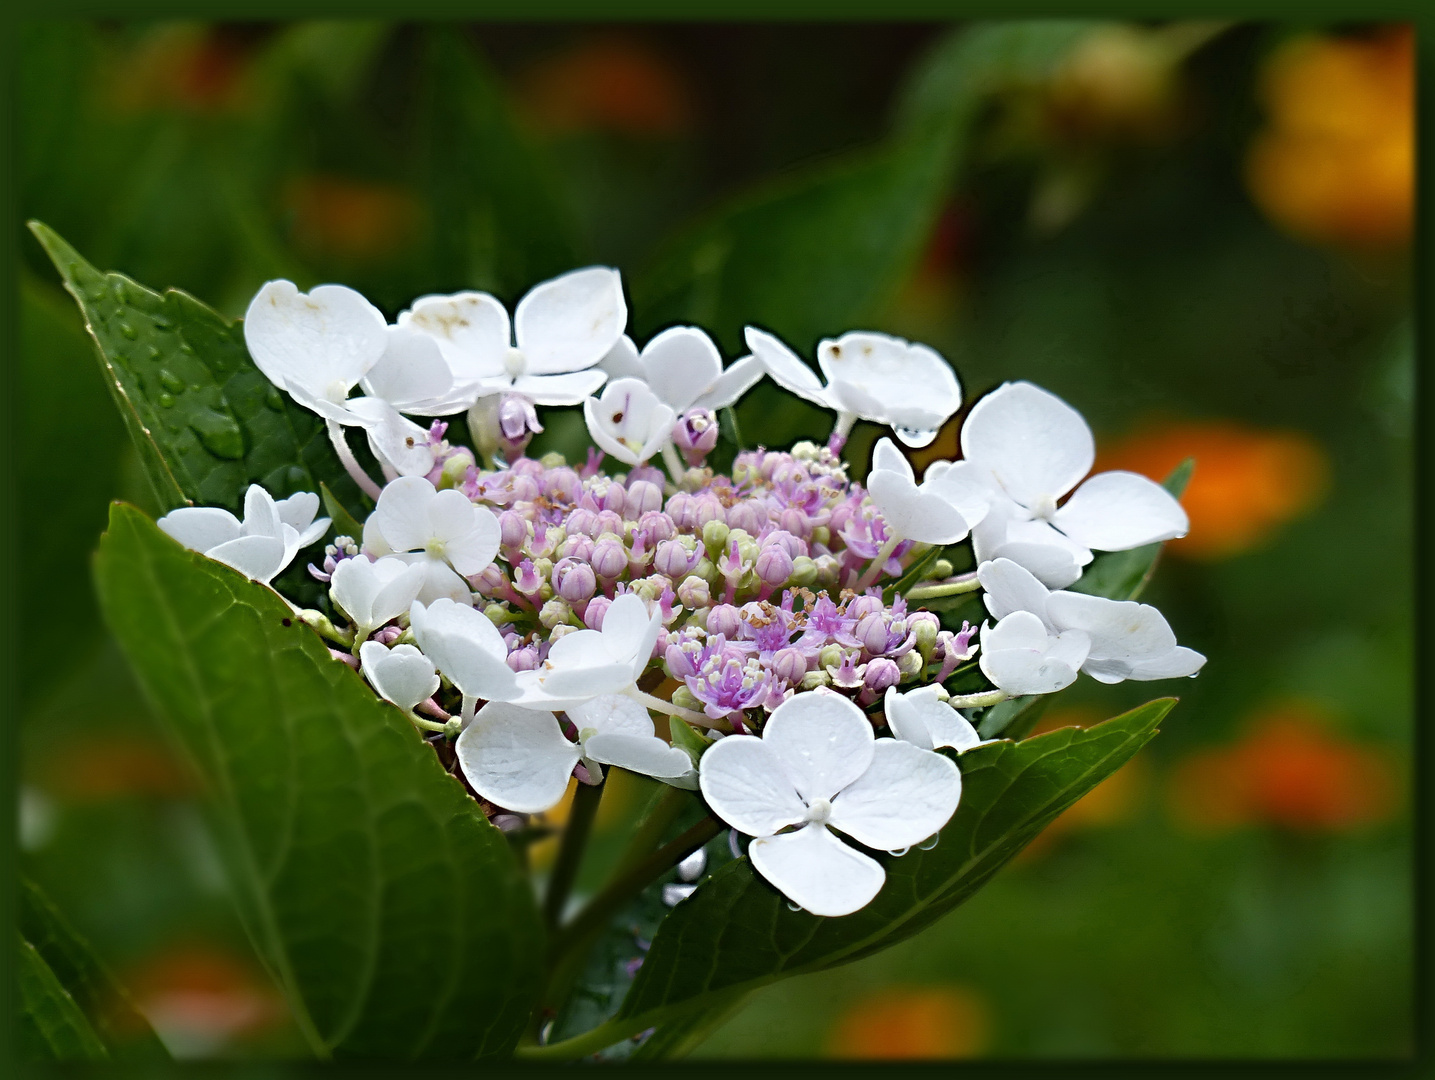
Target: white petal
point(567, 389)
point(817, 871)
point(1179, 663)
point(1034, 443)
point(1019, 657)
point(646, 755)
point(886, 456)
point(402, 674)
point(411, 371)
point(465, 645)
point(571, 322)
point(823, 741)
point(905, 796)
point(394, 439)
point(373, 541)
point(472, 552)
point(399, 586)
point(961, 485)
point(200, 528)
point(440, 581)
point(745, 785)
point(471, 329)
point(1119, 629)
point(924, 720)
point(887, 380)
point(517, 758)
point(786, 369)
point(1010, 587)
point(629, 629)
point(628, 421)
point(324, 342)
point(914, 513)
point(740, 377)
point(1019, 630)
point(354, 584)
point(298, 509)
point(258, 558)
point(679, 364)
point(1053, 566)
point(1117, 511)
point(402, 513)
point(613, 714)
point(261, 516)
point(622, 360)
point(581, 666)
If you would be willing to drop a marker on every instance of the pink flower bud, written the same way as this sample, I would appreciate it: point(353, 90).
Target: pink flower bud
point(608, 521)
point(642, 497)
point(774, 565)
point(609, 559)
point(693, 593)
point(512, 529)
point(789, 665)
point(574, 580)
point(871, 630)
point(583, 521)
point(673, 559)
point(491, 580)
point(795, 522)
point(791, 544)
point(861, 606)
point(748, 515)
point(724, 619)
point(576, 546)
point(614, 498)
point(881, 673)
point(706, 508)
point(562, 485)
point(524, 658)
point(680, 509)
point(650, 473)
point(658, 525)
point(695, 434)
point(517, 424)
point(595, 611)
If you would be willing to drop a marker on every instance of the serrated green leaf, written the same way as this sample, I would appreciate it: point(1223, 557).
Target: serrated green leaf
point(102, 1002)
point(206, 421)
point(737, 932)
point(393, 914)
point(51, 1026)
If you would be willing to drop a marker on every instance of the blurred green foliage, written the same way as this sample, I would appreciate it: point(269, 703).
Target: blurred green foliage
point(839, 162)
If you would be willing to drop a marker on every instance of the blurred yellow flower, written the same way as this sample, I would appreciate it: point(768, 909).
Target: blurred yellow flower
point(352, 220)
point(1287, 769)
point(1337, 162)
point(913, 1023)
point(1247, 482)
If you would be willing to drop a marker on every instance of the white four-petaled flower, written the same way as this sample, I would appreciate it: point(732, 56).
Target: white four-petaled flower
point(941, 510)
point(260, 546)
point(402, 674)
point(441, 530)
point(629, 421)
point(684, 369)
point(372, 593)
point(589, 663)
point(520, 759)
point(465, 645)
point(817, 766)
point(924, 719)
point(1125, 640)
point(1028, 448)
point(870, 376)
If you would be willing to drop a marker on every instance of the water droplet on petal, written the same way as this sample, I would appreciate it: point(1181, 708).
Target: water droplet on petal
point(793, 907)
point(916, 437)
point(897, 853)
point(928, 845)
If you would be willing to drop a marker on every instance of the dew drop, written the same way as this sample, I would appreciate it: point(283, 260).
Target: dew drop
point(793, 907)
point(162, 323)
point(274, 399)
point(897, 853)
point(170, 381)
point(151, 352)
point(166, 401)
point(928, 845)
point(186, 348)
point(128, 330)
point(119, 292)
point(691, 868)
point(219, 433)
point(916, 437)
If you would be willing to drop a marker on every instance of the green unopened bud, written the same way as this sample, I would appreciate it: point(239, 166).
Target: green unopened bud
point(813, 679)
point(828, 570)
point(822, 535)
point(806, 450)
point(830, 656)
point(555, 612)
point(910, 664)
point(454, 470)
point(320, 622)
point(499, 613)
point(804, 572)
point(942, 568)
point(406, 638)
point(683, 698)
point(707, 570)
point(715, 534)
point(926, 632)
point(452, 729)
point(553, 460)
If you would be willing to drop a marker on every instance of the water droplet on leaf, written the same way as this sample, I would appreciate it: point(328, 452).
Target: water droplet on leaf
point(274, 399)
point(916, 437)
point(166, 401)
point(219, 433)
point(119, 292)
point(170, 381)
point(129, 331)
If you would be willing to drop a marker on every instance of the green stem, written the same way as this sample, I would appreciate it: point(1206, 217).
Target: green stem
point(570, 853)
point(666, 807)
point(657, 704)
point(590, 1042)
point(627, 884)
point(963, 584)
point(873, 572)
point(977, 701)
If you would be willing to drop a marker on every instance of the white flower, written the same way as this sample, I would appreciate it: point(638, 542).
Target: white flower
point(629, 421)
point(941, 511)
point(402, 674)
point(465, 645)
point(520, 759)
point(817, 766)
point(1127, 640)
point(1030, 448)
point(924, 719)
point(450, 536)
point(586, 664)
point(1021, 656)
point(399, 444)
point(413, 376)
point(372, 593)
point(684, 369)
point(870, 377)
point(316, 346)
point(561, 328)
point(259, 547)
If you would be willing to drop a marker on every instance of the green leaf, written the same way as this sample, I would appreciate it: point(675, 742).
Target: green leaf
point(206, 421)
point(737, 932)
point(345, 523)
point(106, 1008)
point(393, 914)
point(687, 738)
point(1122, 575)
point(51, 1026)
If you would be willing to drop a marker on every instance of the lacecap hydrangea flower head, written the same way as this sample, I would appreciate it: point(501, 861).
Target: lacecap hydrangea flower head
point(551, 619)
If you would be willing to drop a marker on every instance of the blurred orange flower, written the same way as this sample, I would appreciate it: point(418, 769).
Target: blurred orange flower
point(1337, 161)
point(914, 1023)
point(1288, 769)
point(186, 66)
point(100, 767)
point(351, 219)
point(610, 82)
point(1247, 481)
